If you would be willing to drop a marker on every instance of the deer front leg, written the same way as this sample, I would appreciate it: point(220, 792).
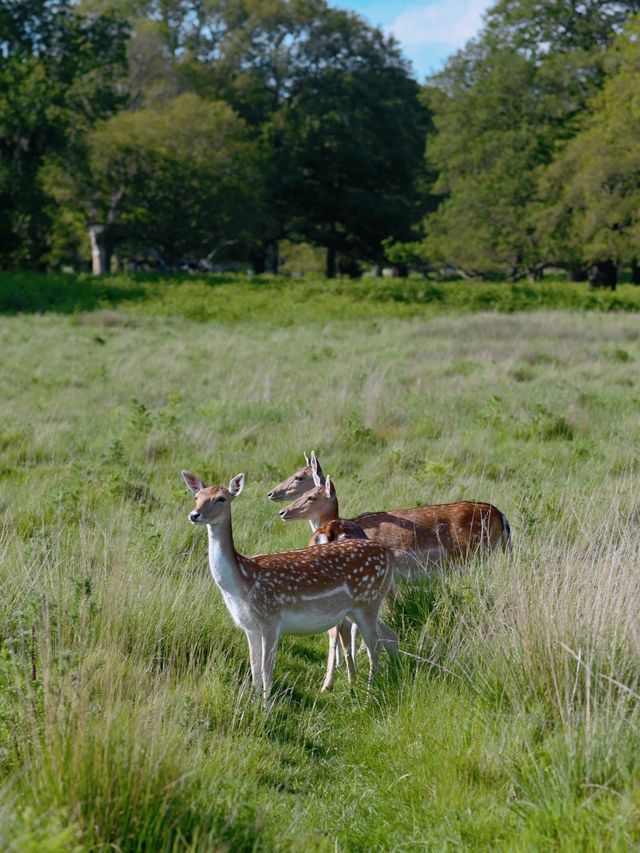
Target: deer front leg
point(331, 659)
point(270, 638)
point(344, 632)
point(255, 659)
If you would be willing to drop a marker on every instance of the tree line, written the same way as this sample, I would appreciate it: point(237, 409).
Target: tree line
point(188, 132)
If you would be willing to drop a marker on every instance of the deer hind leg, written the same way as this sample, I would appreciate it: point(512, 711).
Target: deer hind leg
point(388, 639)
point(392, 597)
point(367, 622)
point(340, 632)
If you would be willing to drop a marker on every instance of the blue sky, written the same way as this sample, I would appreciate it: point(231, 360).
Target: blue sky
point(428, 30)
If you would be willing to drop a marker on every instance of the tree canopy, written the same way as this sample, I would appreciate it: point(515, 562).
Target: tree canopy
point(180, 131)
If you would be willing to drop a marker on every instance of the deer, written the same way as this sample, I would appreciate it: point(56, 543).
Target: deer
point(336, 530)
point(299, 482)
point(293, 592)
point(339, 530)
point(422, 538)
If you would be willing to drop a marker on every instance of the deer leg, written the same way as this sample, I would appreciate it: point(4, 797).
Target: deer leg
point(392, 597)
point(388, 639)
point(255, 659)
point(354, 641)
point(366, 621)
point(270, 638)
point(344, 632)
point(331, 659)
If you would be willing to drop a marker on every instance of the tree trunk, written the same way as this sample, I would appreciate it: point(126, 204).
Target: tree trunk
point(635, 271)
point(259, 261)
point(272, 257)
point(577, 274)
point(537, 273)
point(98, 250)
point(331, 262)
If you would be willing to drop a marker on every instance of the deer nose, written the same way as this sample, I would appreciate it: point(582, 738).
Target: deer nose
point(194, 516)
point(270, 495)
point(282, 512)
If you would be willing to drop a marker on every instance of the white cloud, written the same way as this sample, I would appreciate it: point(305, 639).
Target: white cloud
point(448, 22)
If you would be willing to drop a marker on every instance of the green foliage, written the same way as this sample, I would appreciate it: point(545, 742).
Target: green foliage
point(180, 181)
point(233, 298)
point(503, 109)
point(592, 189)
point(60, 73)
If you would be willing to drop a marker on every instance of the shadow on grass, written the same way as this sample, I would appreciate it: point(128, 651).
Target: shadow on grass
point(29, 293)
point(67, 293)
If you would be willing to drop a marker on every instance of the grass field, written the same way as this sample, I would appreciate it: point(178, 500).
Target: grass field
point(126, 721)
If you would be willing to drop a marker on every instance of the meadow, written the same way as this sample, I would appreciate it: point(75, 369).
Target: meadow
point(126, 717)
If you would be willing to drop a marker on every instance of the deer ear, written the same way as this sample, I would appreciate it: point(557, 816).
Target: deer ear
point(316, 480)
point(327, 486)
point(194, 484)
point(236, 485)
point(315, 465)
point(306, 458)
point(322, 539)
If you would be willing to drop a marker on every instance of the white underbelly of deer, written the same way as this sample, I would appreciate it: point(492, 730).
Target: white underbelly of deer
point(317, 612)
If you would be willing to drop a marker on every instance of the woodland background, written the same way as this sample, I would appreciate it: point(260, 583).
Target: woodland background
point(287, 135)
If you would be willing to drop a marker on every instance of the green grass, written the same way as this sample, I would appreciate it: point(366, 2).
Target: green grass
point(235, 298)
point(125, 713)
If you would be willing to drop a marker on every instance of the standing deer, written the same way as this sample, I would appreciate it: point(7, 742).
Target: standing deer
point(299, 482)
point(292, 592)
point(421, 538)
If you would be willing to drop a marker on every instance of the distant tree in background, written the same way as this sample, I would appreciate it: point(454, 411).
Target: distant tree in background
point(503, 109)
point(179, 182)
point(591, 192)
point(339, 114)
point(59, 74)
point(178, 130)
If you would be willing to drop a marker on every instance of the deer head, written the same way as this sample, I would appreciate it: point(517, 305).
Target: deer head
point(213, 503)
point(299, 482)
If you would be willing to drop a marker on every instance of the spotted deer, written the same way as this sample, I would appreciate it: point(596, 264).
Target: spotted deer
point(292, 592)
point(339, 530)
point(336, 530)
point(421, 538)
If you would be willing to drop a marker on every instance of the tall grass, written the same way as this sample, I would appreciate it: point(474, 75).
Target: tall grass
point(126, 719)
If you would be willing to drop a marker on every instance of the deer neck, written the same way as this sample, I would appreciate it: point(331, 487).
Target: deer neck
point(223, 559)
point(329, 512)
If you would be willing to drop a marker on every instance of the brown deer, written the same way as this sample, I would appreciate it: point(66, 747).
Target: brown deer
point(299, 482)
point(421, 538)
point(336, 530)
point(292, 592)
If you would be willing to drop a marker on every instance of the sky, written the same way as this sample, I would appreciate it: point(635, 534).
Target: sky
point(428, 30)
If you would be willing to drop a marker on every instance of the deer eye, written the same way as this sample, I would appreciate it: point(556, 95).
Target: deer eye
point(220, 499)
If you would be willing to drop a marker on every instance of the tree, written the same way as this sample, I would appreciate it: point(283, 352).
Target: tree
point(336, 110)
point(177, 182)
point(503, 108)
point(354, 130)
point(591, 192)
point(59, 73)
